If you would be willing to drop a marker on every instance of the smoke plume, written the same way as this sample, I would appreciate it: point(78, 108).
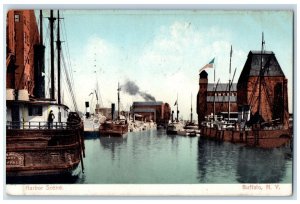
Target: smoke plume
point(131, 88)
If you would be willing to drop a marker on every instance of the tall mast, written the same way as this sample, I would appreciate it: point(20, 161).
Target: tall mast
point(41, 27)
point(260, 76)
point(229, 84)
point(215, 87)
point(39, 87)
point(118, 100)
point(177, 108)
point(191, 108)
point(58, 44)
point(214, 91)
point(52, 19)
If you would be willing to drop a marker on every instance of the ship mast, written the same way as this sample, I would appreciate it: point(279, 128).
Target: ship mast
point(41, 27)
point(51, 20)
point(260, 78)
point(118, 100)
point(58, 44)
point(177, 109)
point(229, 84)
point(191, 108)
point(214, 91)
point(39, 67)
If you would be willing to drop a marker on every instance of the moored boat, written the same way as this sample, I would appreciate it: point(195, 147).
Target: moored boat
point(174, 127)
point(113, 128)
point(43, 137)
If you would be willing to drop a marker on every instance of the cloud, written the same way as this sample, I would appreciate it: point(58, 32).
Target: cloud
point(166, 66)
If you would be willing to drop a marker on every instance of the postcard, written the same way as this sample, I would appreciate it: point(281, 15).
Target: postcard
point(149, 102)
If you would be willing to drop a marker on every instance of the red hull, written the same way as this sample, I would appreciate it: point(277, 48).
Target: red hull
point(259, 138)
point(113, 130)
point(35, 152)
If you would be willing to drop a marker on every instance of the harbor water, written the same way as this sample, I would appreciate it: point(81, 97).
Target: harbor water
point(152, 157)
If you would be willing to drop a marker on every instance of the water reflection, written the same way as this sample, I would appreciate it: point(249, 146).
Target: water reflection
point(261, 165)
point(203, 153)
point(231, 163)
point(61, 179)
point(216, 161)
point(113, 144)
point(153, 157)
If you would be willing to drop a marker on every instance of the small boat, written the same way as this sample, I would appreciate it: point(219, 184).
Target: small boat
point(113, 128)
point(190, 128)
point(175, 128)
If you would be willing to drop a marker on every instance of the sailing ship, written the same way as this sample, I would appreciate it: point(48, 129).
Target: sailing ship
point(190, 128)
point(114, 128)
point(251, 128)
point(36, 146)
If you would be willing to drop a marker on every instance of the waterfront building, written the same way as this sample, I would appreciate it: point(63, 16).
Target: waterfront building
point(22, 53)
point(157, 111)
point(273, 105)
point(214, 96)
point(244, 96)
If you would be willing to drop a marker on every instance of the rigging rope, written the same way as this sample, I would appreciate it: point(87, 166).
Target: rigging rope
point(69, 82)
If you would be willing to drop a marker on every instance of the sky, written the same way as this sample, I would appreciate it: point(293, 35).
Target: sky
point(162, 51)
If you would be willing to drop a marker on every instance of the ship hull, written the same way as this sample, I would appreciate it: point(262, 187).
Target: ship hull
point(32, 153)
point(257, 138)
point(113, 130)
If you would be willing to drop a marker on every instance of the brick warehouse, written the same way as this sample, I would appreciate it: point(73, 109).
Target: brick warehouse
point(22, 37)
point(206, 98)
point(157, 111)
point(274, 97)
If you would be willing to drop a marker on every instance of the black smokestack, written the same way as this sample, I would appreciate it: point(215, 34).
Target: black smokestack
point(131, 88)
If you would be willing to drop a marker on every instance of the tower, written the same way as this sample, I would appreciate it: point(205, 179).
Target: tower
point(201, 97)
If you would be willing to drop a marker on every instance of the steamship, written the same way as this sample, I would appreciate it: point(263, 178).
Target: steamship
point(114, 128)
point(35, 146)
point(263, 118)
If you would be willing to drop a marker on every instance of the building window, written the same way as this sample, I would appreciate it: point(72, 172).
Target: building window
point(17, 18)
point(35, 111)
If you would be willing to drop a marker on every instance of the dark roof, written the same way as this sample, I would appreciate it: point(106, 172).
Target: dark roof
point(253, 65)
point(221, 87)
point(147, 103)
point(220, 99)
point(203, 75)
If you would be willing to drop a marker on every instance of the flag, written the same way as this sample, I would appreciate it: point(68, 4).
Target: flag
point(209, 65)
point(175, 103)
